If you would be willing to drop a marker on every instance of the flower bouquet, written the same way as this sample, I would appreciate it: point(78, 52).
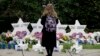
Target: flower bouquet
point(75, 34)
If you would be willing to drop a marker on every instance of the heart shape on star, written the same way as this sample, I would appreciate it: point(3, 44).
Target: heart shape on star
point(21, 34)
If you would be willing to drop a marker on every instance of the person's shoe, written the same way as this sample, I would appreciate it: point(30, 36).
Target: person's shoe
point(48, 55)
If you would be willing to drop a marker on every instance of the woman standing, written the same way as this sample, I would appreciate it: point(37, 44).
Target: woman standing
point(49, 20)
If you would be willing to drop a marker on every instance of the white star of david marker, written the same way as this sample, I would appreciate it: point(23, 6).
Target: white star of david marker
point(20, 26)
point(77, 27)
point(37, 27)
point(61, 27)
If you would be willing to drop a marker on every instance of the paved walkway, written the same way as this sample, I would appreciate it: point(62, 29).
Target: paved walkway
point(11, 52)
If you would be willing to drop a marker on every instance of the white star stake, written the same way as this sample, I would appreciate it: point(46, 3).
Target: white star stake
point(37, 27)
point(20, 26)
point(61, 27)
point(76, 28)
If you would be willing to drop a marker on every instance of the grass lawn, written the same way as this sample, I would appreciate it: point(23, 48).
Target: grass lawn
point(85, 46)
point(88, 46)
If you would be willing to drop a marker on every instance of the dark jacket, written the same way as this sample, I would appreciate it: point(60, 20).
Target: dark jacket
point(48, 38)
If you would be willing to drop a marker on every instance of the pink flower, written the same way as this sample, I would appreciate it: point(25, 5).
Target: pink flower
point(59, 36)
point(89, 34)
point(75, 34)
point(38, 35)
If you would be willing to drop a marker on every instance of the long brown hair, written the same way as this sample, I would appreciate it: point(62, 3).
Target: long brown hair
point(49, 10)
